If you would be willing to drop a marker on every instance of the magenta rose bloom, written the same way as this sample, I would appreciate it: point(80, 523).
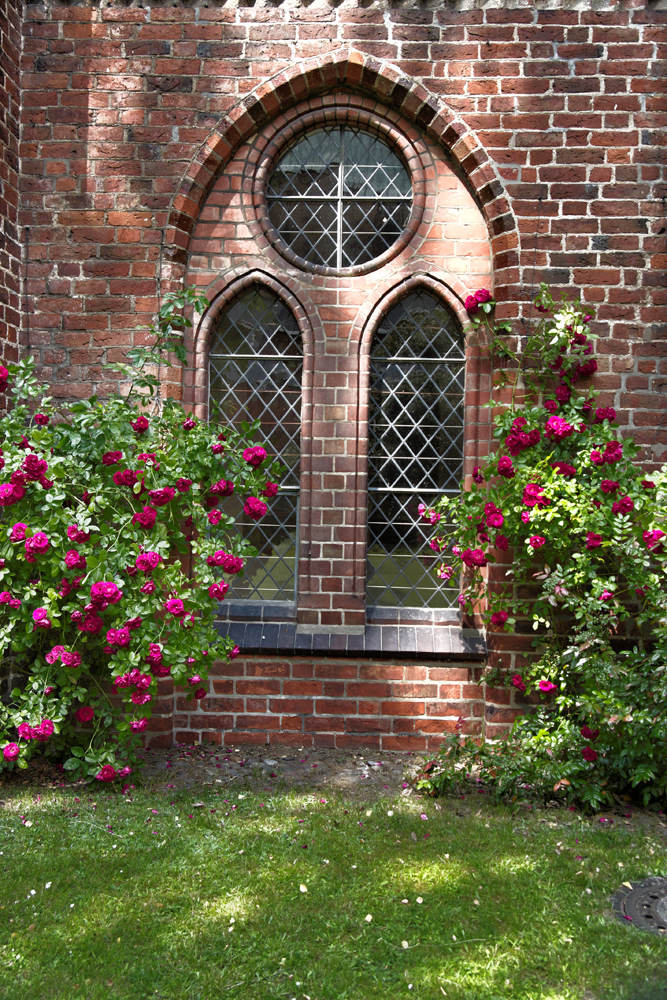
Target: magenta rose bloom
point(111, 457)
point(146, 517)
point(593, 541)
point(501, 543)
point(517, 681)
point(214, 517)
point(71, 659)
point(92, 624)
point(533, 496)
point(38, 545)
point(604, 413)
point(474, 557)
point(11, 751)
point(105, 592)
point(108, 773)
point(472, 305)
point(148, 587)
point(146, 562)
point(652, 540)
point(623, 506)
point(174, 607)
point(589, 734)
point(546, 687)
point(589, 754)
point(558, 428)
point(551, 406)
point(217, 591)
point(609, 485)
point(10, 494)
point(499, 618)
point(200, 693)
point(223, 488)
point(41, 419)
point(162, 496)
point(229, 563)
point(140, 697)
point(34, 467)
point(189, 424)
point(41, 618)
point(84, 714)
point(648, 484)
point(483, 295)
point(271, 490)
point(138, 725)
point(74, 560)
point(596, 458)
point(183, 485)
point(606, 595)
point(564, 469)
point(18, 532)
point(613, 452)
point(563, 393)
point(140, 425)
point(537, 541)
point(254, 508)
point(254, 456)
point(75, 534)
point(505, 468)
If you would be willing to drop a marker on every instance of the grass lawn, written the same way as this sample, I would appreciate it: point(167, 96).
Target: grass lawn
point(150, 895)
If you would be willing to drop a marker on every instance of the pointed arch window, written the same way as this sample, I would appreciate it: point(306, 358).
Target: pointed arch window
point(255, 372)
point(415, 448)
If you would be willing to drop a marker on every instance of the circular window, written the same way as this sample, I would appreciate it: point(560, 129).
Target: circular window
point(339, 198)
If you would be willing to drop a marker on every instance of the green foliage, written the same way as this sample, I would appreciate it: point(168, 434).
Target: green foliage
point(577, 527)
point(112, 547)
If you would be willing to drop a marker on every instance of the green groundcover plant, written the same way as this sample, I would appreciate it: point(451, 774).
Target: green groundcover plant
point(577, 528)
point(114, 554)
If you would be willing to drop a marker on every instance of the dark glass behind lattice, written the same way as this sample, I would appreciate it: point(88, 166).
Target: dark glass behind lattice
point(255, 371)
point(415, 448)
point(339, 197)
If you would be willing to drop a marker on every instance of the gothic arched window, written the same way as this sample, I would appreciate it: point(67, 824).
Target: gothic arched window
point(415, 447)
point(255, 372)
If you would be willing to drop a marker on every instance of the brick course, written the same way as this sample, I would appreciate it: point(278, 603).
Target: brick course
point(140, 127)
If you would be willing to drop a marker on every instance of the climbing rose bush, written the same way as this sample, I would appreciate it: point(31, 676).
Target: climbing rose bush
point(114, 554)
point(572, 532)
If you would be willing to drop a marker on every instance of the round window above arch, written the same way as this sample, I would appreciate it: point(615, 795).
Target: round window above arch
point(340, 197)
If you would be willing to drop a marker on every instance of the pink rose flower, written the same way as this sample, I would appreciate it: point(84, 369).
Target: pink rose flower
point(75, 534)
point(84, 714)
point(41, 419)
point(589, 754)
point(18, 532)
point(589, 734)
point(505, 467)
point(41, 618)
point(162, 496)
point(501, 543)
point(34, 467)
point(254, 456)
point(140, 425)
point(472, 305)
point(533, 496)
point(474, 557)
point(525, 516)
point(564, 469)
point(229, 563)
point(593, 541)
point(609, 485)
point(217, 591)
point(174, 607)
point(563, 393)
point(108, 773)
point(551, 405)
point(183, 485)
point(483, 295)
point(112, 457)
point(604, 413)
point(145, 517)
point(546, 687)
point(499, 618)
point(613, 452)
point(71, 659)
point(138, 725)
point(74, 560)
point(234, 653)
point(200, 693)
point(148, 561)
point(38, 545)
point(148, 587)
point(254, 508)
point(105, 592)
point(189, 424)
point(214, 517)
point(141, 697)
point(537, 541)
point(623, 506)
point(11, 751)
point(558, 428)
point(10, 494)
point(517, 681)
point(606, 595)
point(648, 484)
point(270, 490)
point(652, 540)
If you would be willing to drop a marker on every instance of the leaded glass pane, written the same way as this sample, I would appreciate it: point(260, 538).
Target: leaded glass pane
point(339, 197)
point(255, 372)
point(415, 446)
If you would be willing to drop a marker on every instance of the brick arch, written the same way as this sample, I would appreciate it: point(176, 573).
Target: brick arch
point(324, 74)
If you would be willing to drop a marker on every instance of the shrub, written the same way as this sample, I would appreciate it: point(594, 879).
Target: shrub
point(563, 506)
point(114, 554)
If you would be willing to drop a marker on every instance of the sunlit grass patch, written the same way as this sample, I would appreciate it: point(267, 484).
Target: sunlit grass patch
point(175, 895)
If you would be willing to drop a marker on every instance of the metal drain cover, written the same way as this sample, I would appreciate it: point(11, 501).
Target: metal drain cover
point(643, 904)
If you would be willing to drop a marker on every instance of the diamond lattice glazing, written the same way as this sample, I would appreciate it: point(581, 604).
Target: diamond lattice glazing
point(415, 448)
point(339, 197)
point(255, 372)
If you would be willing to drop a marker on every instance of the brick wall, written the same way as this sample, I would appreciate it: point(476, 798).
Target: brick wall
point(138, 123)
point(10, 247)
